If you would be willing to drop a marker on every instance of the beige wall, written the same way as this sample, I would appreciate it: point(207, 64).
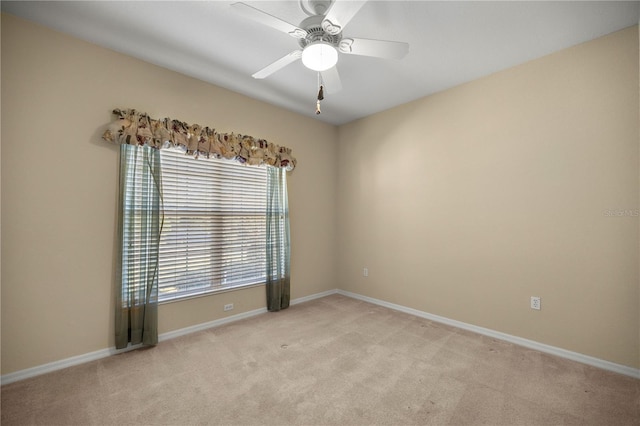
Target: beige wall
point(59, 189)
point(466, 203)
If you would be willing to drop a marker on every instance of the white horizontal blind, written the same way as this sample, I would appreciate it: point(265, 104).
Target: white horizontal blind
point(214, 231)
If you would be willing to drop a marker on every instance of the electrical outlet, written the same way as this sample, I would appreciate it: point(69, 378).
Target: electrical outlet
point(228, 307)
point(535, 303)
point(365, 272)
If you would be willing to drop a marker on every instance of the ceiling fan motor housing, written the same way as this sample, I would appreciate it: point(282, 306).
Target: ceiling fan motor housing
point(313, 26)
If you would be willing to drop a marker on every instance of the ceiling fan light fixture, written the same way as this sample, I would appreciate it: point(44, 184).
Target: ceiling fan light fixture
point(319, 56)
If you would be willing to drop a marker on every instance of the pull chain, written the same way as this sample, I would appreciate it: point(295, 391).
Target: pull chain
point(320, 94)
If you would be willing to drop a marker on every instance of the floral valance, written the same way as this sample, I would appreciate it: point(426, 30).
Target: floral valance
point(137, 128)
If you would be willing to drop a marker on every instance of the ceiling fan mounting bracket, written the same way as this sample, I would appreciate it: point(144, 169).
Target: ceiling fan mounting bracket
point(315, 7)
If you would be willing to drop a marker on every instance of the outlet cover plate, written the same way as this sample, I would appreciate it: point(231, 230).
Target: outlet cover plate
point(535, 303)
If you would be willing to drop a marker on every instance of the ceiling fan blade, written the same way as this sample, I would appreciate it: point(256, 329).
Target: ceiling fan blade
point(269, 20)
point(279, 64)
point(377, 48)
point(339, 15)
point(331, 80)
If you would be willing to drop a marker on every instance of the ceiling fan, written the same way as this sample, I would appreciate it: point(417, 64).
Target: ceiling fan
point(320, 38)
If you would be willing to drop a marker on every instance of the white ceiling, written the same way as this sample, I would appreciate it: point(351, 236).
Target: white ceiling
point(450, 43)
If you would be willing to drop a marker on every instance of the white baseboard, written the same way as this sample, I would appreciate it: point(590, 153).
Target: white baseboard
point(206, 325)
point(574, 356)
point(103, 353)
point(314, 296)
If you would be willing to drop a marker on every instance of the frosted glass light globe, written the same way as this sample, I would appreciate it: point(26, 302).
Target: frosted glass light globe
point(319, 56)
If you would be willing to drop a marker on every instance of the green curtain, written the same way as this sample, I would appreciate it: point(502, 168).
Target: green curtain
point(139, 226)
point(278, 241)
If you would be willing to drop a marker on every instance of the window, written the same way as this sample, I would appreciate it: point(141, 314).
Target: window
point(214, 230)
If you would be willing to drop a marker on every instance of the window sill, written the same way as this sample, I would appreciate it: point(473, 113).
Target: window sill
point(210, 293)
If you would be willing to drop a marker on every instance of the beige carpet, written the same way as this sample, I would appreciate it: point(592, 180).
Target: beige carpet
point(332, 361)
